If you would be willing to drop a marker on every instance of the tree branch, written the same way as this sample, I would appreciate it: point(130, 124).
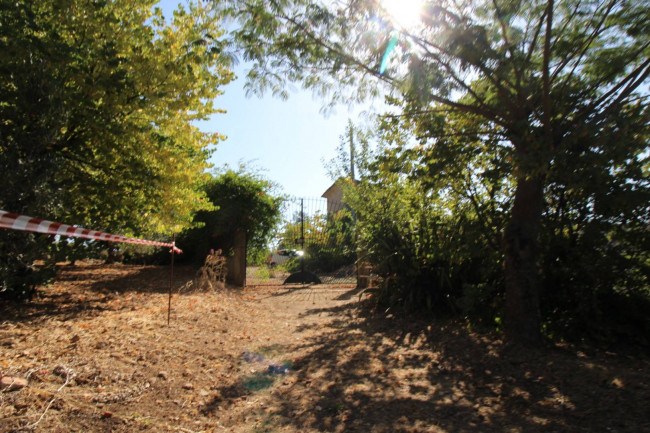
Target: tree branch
point(349, 59)
point(629, 83)
point(594, 34)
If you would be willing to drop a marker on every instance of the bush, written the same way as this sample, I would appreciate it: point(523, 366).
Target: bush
point(428, 258)
point(431, 218)
point(242, 201)
point(19, 273)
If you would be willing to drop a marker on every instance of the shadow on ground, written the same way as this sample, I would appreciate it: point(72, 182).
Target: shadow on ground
point(100, 284)
point(363, 373)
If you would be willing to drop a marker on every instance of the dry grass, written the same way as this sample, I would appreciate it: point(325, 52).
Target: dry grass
point(98, 356)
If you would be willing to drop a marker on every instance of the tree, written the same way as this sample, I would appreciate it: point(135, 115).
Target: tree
point(428, 219)
point(540, 76)
point(593, 237)
point(98, 101)
point(242, 201)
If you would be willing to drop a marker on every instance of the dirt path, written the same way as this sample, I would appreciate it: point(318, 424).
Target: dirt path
point(98, 357)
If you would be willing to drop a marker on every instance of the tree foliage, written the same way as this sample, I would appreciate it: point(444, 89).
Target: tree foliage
point(242, 201)
point(422, 204)
point(432, 237)
point(97, 101)
point(543, 80)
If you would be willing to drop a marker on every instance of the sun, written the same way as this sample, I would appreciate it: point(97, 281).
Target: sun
point(404, 13)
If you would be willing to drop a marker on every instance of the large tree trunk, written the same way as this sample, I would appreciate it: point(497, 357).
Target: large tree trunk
point(522, 321)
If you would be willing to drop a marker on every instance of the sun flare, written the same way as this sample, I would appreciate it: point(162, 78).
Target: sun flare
point(405, 13)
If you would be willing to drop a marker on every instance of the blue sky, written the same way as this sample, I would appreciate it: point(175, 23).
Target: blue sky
point(286, 140)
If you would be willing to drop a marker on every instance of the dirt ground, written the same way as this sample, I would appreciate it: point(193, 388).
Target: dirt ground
point(97, 355)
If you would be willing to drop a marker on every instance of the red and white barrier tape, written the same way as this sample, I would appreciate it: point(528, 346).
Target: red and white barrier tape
point(29, 224)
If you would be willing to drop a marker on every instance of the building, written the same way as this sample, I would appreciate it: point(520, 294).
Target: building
point(334, 196)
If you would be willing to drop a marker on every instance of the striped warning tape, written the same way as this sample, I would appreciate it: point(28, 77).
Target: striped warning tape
point(29, 224)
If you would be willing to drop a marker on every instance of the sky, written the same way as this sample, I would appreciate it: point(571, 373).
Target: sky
point(286, 141)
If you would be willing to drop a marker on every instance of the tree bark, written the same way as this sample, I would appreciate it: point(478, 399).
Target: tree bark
point(523, 319)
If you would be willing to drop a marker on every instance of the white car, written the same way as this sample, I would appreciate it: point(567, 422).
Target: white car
point(281, 257)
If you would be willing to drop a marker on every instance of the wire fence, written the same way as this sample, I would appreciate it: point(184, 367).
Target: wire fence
point(317, 236)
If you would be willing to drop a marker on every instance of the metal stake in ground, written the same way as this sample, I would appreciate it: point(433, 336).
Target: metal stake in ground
point(171, 282)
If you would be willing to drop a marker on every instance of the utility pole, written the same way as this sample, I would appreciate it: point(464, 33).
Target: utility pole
point(351, 136)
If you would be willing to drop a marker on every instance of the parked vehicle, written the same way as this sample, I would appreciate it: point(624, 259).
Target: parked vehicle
point(281, 257)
